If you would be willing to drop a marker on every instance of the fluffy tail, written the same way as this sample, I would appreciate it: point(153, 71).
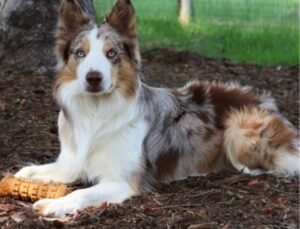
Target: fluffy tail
point(257, 141)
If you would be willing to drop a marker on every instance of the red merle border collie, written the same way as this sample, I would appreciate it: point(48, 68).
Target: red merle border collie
point(124, 136)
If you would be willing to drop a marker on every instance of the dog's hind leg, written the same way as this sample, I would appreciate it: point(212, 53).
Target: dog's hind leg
point(61, 170)
point(257, 141)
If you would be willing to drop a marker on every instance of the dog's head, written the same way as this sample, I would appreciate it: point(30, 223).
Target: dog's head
point(98, 59)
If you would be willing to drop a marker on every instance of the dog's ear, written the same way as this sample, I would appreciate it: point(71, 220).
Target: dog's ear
point(122, 18)
point(71, 16)
point(71, 19)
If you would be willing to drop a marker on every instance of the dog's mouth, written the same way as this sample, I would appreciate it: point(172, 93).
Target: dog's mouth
point(94, 89)
point(99, 90)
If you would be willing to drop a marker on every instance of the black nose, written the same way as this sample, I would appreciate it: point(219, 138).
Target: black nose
point(94, 79)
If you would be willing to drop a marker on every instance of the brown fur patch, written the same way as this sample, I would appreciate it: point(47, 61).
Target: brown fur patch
point(252, 129)
point(198, 92)
point(85, 46)
point(72, 16)
point(209, 133)
point(249, 159)
point(224, 99)
point(126, 78)
point(280, 135)
point(106, 47)
point(214, 159)
point(166, 165)
point(204, 116)
point(252, 125)
point(67, 74)
point(124, 72)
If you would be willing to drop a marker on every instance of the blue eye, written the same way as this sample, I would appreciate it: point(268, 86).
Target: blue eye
point(80, 54)
point(111, 54)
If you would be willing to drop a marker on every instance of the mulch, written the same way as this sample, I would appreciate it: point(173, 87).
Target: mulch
point(28, 117)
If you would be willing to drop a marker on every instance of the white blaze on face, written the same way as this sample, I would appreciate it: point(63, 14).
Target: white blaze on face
point(95, 60)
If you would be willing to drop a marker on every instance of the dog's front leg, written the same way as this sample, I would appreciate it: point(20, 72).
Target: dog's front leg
point(63, 169)
point(95, 196)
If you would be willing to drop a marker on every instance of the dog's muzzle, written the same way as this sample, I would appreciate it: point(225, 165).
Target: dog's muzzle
point(94, 80)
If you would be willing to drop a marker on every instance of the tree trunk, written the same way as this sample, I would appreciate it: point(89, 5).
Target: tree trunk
point(27, 29)
point(185, 11)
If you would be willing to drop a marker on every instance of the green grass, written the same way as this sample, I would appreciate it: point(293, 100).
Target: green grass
point(263, 32)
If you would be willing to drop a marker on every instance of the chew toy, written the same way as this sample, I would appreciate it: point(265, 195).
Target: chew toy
point(31, 190)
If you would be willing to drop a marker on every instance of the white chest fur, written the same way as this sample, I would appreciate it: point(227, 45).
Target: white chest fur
point(108, 136)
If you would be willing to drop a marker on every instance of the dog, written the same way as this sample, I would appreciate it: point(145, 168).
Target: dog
point(124, 136)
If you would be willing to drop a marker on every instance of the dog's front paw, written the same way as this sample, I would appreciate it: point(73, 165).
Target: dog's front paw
point(37, 173)
point(56, 207)
point(27, 172)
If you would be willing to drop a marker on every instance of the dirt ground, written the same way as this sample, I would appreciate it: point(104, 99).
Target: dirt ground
point(28, 134)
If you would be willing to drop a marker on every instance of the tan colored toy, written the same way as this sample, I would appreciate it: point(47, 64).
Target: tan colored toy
point(31, 190)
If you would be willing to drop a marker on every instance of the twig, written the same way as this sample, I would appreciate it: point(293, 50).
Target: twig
point(276, 190)
point(233, 179)
point(203, 225)
point(214, 191)
point(178, 206)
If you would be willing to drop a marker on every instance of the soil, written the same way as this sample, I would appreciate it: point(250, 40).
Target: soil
point(28, 134)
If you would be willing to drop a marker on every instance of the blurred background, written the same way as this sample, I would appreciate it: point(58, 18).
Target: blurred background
point(262, 32)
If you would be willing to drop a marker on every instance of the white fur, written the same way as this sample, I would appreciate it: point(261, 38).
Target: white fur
point(95, 60)
point(101, 141)
point(96, 196)
point(287, 164)
point(108, 138)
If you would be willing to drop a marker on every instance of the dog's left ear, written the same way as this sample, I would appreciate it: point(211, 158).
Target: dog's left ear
point(122, 18)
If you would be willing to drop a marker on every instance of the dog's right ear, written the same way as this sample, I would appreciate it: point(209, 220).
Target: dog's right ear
point(71, 19)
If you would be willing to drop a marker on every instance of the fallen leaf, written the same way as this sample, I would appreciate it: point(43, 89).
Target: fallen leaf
point(8, 207)
point(254, 182)
point(18, 217)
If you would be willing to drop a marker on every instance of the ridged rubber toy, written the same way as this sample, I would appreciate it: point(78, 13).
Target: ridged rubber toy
point(31, 190)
